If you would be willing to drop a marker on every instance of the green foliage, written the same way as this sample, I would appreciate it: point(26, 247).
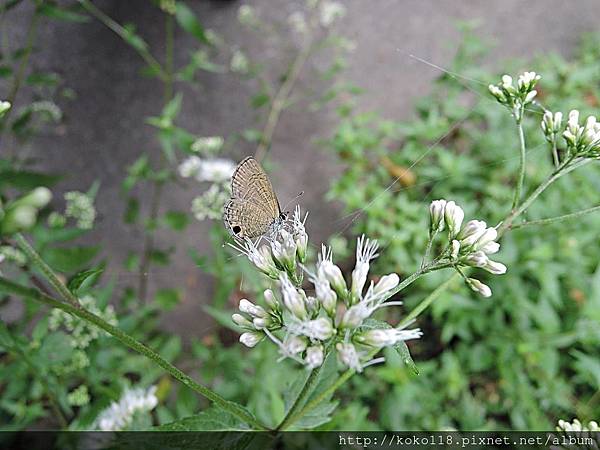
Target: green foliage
point(524, 357)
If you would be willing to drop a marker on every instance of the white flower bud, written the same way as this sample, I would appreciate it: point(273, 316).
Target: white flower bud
point(333, 274)
point(436, 215)
point(301, 245)
point(387, 337)
point(495, 267)
point(359, 277)
point(270, 299)
point(4, 106)
point(386, 283)
point(252, 309)
point(285, 251)
point(488, 236)
point(573, 122)
point(241, 321)
point(326, 296)
point(320, 328)
point(261, 322)
point(294, 345)
point(292, 299)
point(348, 356)
point(453, 215)
point(314, 356)
point(507, 81)
point(490, 248)
point(476, 259)
point(251, 338)
point(480, 287)
point(354, 316)
point(497, 92)
point(455, 249)
point(529, 97)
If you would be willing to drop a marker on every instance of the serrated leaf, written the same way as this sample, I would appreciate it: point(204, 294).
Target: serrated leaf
point(187, 20)
point(318, 416)
point(212, 419)
point(84, 279)
point(70, 259)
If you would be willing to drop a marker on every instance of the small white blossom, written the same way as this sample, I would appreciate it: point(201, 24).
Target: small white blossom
point(270, 299)
point(330, 12)
point(251, 338)
point(348, 356)
point(317, 329)
point(292, 300)
point(386, 337)
point(284, 250)
point(4, 106)
point(453, 215)
point(314, 356)
point(216, 170)
point(479, 287)
point(239, 62)
point(119, 415)
point(80, 207)
point(247, 16)
point(328, 271)
point(577, 426)
point(298, 23)
point(293, 345)
point(210, 204)
point(385, 284)
point(436, 216)
point(208, 145)
point(252, 309)
point(366, 250)
point(241, 321)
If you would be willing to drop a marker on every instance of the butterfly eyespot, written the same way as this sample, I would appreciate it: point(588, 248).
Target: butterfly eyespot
point(236, 229)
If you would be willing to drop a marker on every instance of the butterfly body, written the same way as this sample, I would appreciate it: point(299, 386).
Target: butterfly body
point(253, 209)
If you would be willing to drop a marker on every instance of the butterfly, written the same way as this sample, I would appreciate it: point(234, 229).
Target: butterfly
point(253, 209)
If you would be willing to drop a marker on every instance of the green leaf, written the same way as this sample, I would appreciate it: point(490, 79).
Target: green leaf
point(56, 349)
point(23, 179)
point(188, 21)
point(168, 298)
point(84, 280)
point(67, 15)
point(43, 79)
point(159, 257)
point(176, 220)
point(133, 39)
point(318, 416)
point(212, 419)
point(132, 210)
point(5, 71)
point(70, 259)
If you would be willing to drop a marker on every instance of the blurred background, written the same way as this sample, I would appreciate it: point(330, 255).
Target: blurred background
point(376, 92)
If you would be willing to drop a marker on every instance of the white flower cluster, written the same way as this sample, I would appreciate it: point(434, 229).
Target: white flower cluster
point(516, 97)
point(247, 16)
point(80, 207)
point(208, 145)
point(576, 425)
point(239, 62)
point(12, 254)
point(330, 12)
point(468, 245)
point(582, 140)
point(218, 172)
point(213, 170)
point(82, 333)
point(335, 315)
point(119, 415)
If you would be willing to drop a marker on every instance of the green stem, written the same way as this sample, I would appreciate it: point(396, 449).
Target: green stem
point(555, 153)
point(20, 73)
point(311, 405)
point(563, 169)
point(521, 180)
point(125, 35)
point(424, 304)
point(8, 286)
point(555, 219)
point(36, 259)
point(292, 413)
point(281, 99)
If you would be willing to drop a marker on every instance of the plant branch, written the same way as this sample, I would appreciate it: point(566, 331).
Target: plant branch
point(124, 34)
point(293, 412)
point(281, 99)
point(20, 74)
point(550, 220)
point(522, 161)
point(50, 275)
point(8, 286)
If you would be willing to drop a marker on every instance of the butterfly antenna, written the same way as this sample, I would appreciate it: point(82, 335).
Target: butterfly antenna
point(300, 194)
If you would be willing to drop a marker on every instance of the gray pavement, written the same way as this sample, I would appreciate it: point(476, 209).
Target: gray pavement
point(105, 129)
